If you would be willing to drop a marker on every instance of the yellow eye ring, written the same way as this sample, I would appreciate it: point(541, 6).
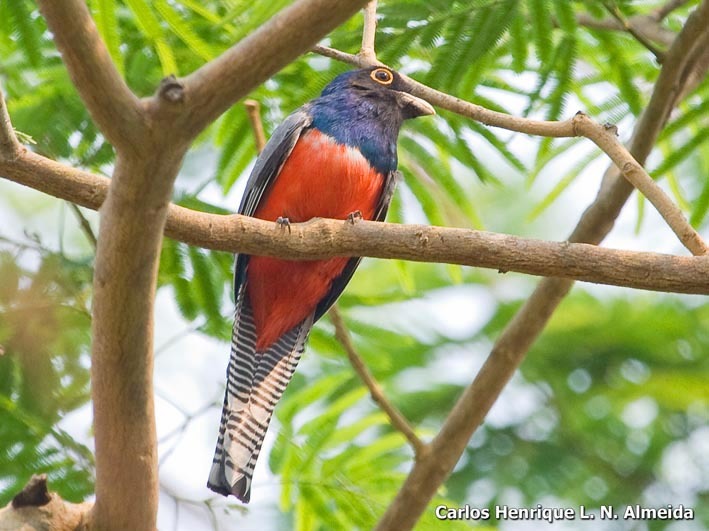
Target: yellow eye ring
point(382, 76)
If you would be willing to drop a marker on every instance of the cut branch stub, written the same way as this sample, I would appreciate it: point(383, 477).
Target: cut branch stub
point(34, 494)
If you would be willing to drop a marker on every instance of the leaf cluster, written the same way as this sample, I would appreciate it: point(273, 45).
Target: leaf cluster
point(44, 350)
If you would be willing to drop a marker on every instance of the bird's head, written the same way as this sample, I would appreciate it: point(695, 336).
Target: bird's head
point(381, 86)
point(364, 109)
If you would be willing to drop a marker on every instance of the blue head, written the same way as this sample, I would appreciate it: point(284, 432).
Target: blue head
point(365, 109)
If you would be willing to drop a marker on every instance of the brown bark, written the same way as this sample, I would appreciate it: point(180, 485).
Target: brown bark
point(326, 238)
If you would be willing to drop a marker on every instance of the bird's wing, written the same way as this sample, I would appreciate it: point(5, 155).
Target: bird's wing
point(255, 381)
point(267, 167)
point(338, 285)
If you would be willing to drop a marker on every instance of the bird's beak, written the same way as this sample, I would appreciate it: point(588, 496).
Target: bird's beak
point(412, 106)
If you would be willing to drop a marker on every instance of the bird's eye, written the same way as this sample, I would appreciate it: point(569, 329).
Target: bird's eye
point(382, 76)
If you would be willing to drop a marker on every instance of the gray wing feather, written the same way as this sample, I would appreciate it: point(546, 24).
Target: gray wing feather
point(267, 167)
point(272, 158)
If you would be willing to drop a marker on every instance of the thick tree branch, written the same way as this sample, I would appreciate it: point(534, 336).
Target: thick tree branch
point(398, 421)
point(211, 90)
point(326, 238)
point(518, 336)
point(114, 108)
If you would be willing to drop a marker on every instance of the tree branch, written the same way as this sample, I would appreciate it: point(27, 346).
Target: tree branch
point(212, 89)
point(85, 225)
point(10, 147)
point(369, 32)
point(35, 508)
point(517, 337)
point(322, 238)
point(605, 138)
point(668, 8)
point(253, 112)
point(556, 129)
point(112, 105)
point(398, 421)
point(629, 27)
point(648, 26)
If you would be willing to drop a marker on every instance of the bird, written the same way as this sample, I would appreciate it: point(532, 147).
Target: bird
point(334, 157)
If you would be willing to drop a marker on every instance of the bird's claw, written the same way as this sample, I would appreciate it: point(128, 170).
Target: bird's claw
point(283, 223)
point(354, 217)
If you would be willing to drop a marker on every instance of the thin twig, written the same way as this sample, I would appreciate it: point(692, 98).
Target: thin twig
point(193, 327)
point(85, 225)
point(630, 28)
point(180, 430)
point(554, 129)
point(398, 421)
point(605, 138)
point(645, 24)
point(205, 504)
point(253, 111)
point(10, 147)
point(369, 31)
point(668, 8)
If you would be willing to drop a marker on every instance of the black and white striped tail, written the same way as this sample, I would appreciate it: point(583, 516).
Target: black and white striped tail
point(255, 383)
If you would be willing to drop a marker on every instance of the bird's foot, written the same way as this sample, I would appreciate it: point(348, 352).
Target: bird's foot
point(283, 223)
point(354, 217)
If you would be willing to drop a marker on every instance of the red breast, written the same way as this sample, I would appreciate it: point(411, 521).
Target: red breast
point(320, 178)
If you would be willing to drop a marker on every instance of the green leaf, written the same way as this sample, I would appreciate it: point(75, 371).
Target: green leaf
point(183, 30)
point(565, 16)
point(519, 44)
point(701, 203)
point(149, 25)
point(541, 17)
point(681, 153)
point(105, 15)
point(561, 185)
point(29, 35)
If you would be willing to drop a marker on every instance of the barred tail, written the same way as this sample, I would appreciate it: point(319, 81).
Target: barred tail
point(255, 383)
